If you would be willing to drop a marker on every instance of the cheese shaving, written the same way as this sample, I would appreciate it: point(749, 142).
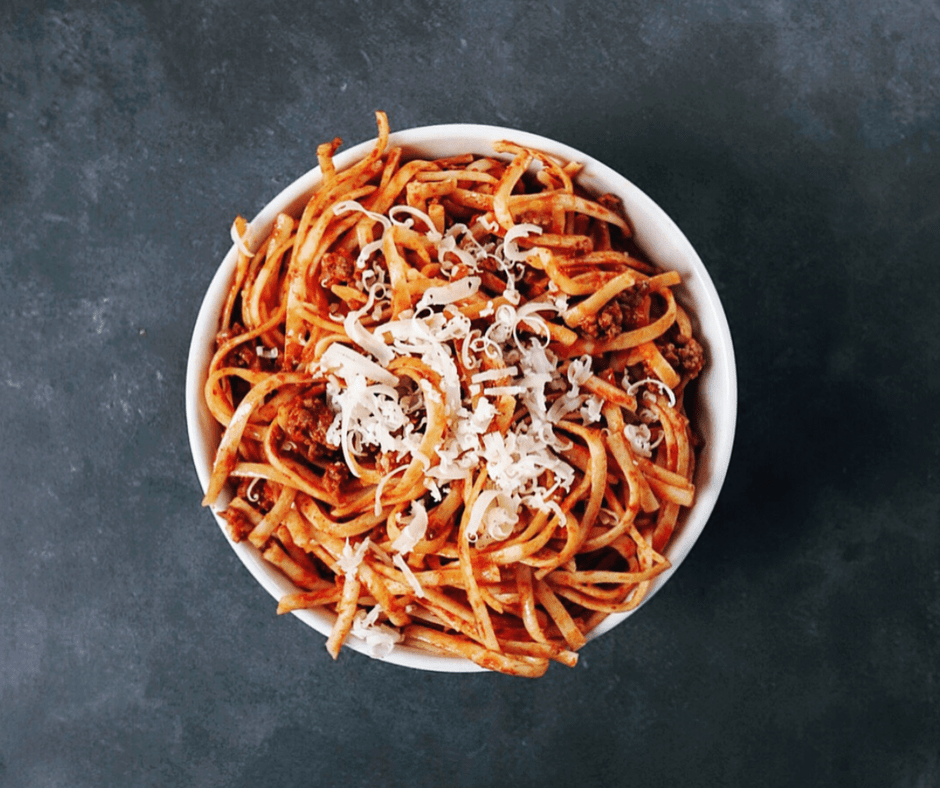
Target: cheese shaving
point(579, 372)
point(414, 531)
point(351, 557)
point(380, 488)
point(459, 290)
point(242, 242)
point(344, 206)
point(380, 639)
point(591, 409)
point(639, 436)
point(494, 374)
point(632, 388)
point(511, 249)
point(493, 517)
point(432, 233)
point(412, 581)
point(348, 364)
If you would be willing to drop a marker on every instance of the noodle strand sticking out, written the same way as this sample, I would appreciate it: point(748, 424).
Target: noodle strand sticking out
point(452, 395)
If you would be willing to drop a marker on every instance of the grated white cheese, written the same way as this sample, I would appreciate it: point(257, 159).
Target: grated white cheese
point(380, 488)
point(579, 372)
point(431, 233)
point(492, 517)
point(360, 334)
point(348, 364)
point(639, 436)
point(511, 249)
point(403, 567)
point(351, 557)
point(565, 404)
point(242, 242)
point(449, 246)
point(632, 388)
point(377, 410)
point(591, 409)
point(344, 206)
point(380, 639)
point(490, 225)
point(457, 290)
point(503, 391)
point(434, 488)
point(494, 374)
point(414, 531)
point(251, 493)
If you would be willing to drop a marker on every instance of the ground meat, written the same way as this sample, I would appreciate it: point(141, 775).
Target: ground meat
point(337, 270)
point(245, 354)
point(615, 205)
point(335, 475)
point(258, 493)
point(305, 422)
point(226, 334)
point(669, 352)
point(612, 203)
point(686, 357)
point(239, 526)
point(620, 314)
point(691, 358)
point(242, 355)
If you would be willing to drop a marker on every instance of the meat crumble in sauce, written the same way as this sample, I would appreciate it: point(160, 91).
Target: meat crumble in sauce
point(305, 422)
point(239, 525)
point(337, 269)
point(335, 475)
point(615, 205)
point(683, 354)
point(622, 313)
point(245, 355)
point(258, 493)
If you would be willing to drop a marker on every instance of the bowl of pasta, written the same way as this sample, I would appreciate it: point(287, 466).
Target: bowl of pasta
point(461, 398)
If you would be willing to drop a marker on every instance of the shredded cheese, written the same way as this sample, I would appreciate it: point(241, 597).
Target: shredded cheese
point(379, 638)
point(639, 436)
point(458, 290)
point(351, 557)
point(348, 364)
point(403, 567)
point(432, 233)
point(375, 410)
point(414, 531)
point(242, 241)
point(511, 248)
point(591, 409)
point(632, 388)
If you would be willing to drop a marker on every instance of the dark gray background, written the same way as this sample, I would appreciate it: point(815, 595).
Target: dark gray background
point(796, 143)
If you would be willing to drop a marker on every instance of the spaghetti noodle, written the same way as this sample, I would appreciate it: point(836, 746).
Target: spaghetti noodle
point(452, 394)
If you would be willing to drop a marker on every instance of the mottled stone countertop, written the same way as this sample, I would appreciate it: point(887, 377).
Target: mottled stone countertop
point(795, 143)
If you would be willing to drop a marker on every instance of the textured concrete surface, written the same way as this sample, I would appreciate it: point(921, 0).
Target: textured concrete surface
point(796, 143)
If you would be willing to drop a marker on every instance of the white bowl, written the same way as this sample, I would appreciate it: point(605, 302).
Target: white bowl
point(713, 412)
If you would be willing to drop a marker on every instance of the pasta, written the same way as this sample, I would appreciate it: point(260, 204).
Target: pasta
point(452, 400)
